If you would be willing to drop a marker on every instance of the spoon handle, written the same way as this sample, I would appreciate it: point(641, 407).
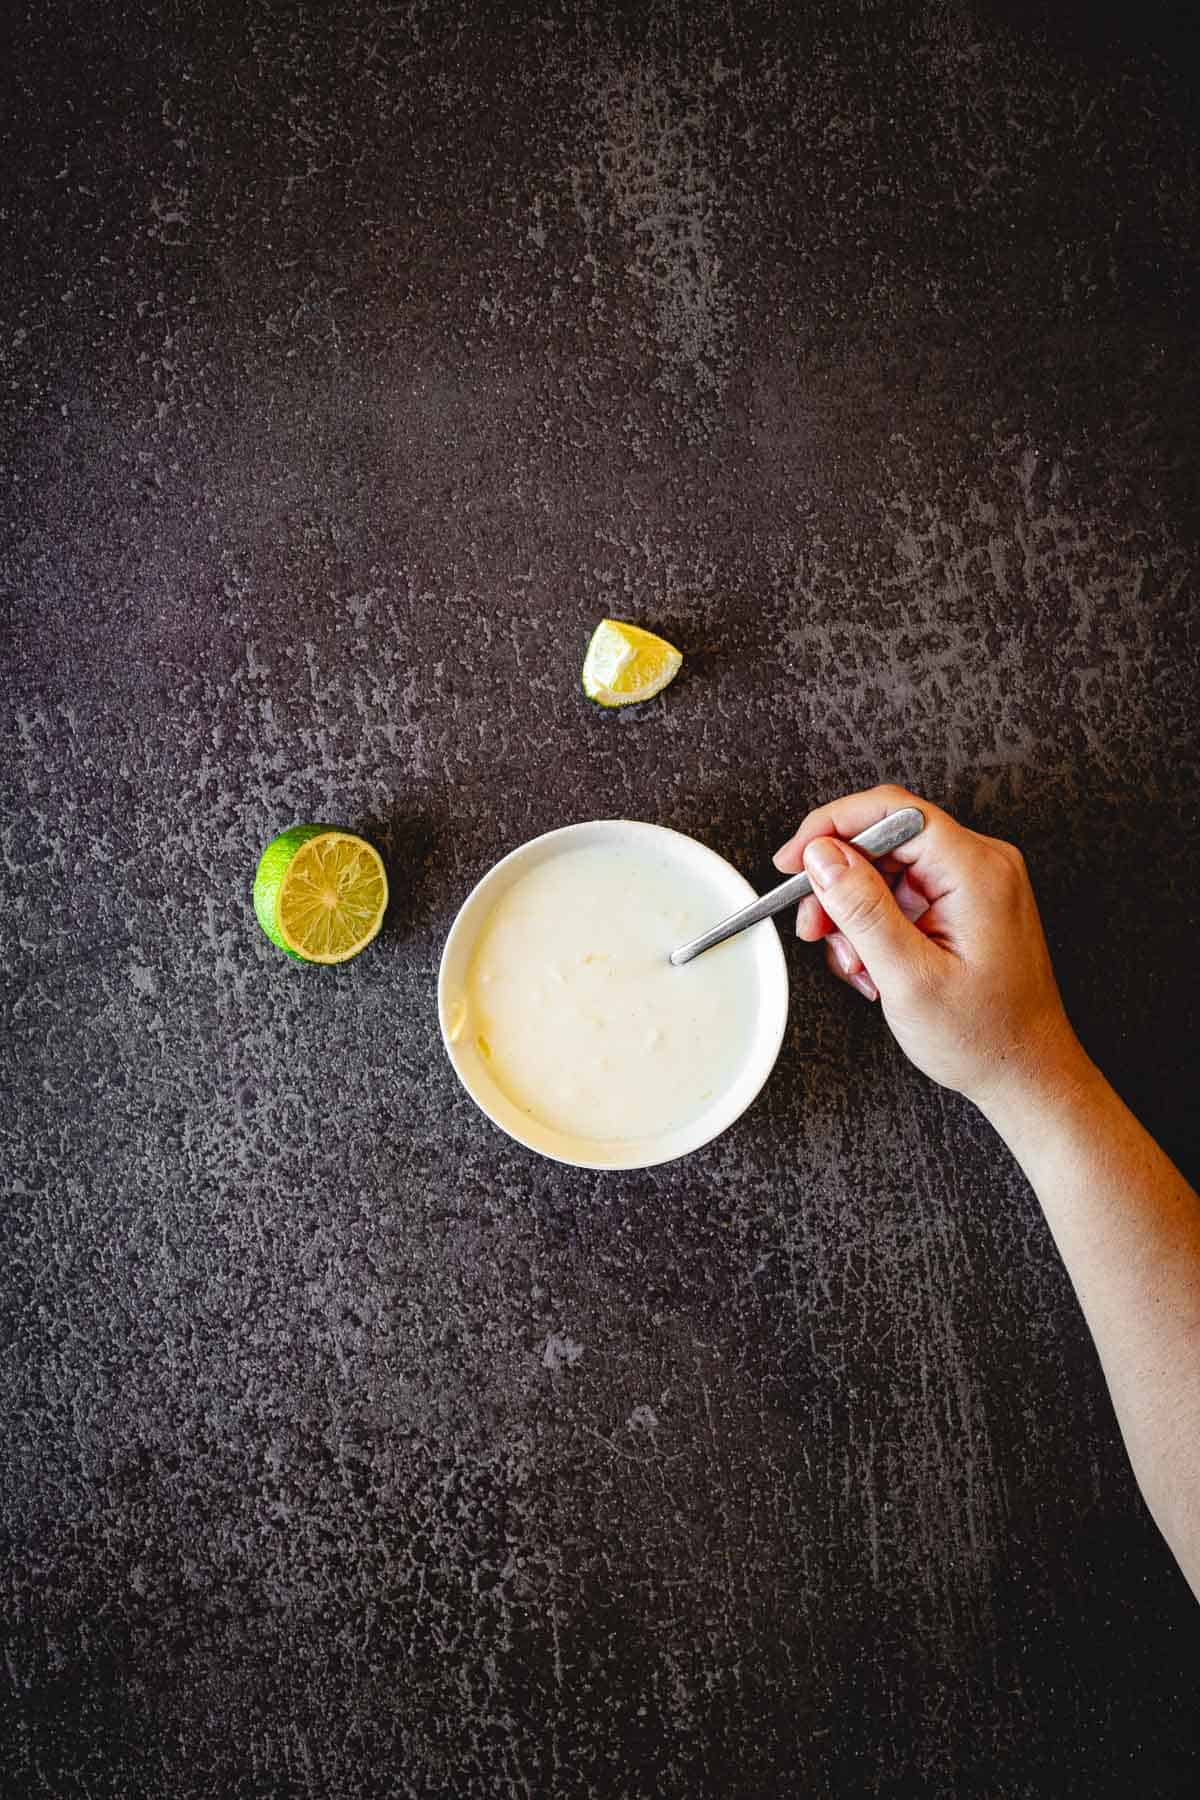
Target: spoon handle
point(876, 840)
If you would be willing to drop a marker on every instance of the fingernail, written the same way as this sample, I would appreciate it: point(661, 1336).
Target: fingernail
point(825, 861)
point(844, 954)
point(862, 981)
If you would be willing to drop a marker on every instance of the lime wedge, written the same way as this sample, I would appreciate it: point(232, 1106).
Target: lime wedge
point(625, 664)
point(320, 893)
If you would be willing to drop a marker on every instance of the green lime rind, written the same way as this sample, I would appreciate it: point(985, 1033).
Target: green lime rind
point(268, 879)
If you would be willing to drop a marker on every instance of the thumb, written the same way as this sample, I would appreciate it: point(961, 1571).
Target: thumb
point(860, 903)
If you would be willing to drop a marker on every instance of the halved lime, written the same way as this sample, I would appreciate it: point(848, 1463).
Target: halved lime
point(320, 893)
point(625, 664)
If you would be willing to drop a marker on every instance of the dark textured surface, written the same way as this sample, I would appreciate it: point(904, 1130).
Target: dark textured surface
point(353, 364)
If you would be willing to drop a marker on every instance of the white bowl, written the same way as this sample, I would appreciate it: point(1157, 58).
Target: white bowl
point(729, 890)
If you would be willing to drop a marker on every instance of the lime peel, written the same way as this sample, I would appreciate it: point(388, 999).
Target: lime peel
point(320, 893)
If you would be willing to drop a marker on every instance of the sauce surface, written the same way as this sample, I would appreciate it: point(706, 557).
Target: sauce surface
point(576, 1011)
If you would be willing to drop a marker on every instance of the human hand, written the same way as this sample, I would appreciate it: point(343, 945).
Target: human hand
point(945, 932)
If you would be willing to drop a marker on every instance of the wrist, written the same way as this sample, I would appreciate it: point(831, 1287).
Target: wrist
point(1044, 1078)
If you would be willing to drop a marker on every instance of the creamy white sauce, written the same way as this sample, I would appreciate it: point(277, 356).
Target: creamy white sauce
point(576, 1012)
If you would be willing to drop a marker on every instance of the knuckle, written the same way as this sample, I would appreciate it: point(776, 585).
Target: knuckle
point(1012, 858)
point(866, 902)
point(1001, 853)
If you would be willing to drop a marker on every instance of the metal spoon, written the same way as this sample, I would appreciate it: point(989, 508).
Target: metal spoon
point(876, 840)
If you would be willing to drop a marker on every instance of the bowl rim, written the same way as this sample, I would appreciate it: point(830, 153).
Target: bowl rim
point(644, 1152)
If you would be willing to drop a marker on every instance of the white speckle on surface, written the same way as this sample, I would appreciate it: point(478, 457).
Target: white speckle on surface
point(560, 1351)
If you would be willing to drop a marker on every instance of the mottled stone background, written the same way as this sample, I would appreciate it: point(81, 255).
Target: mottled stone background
point(354, 361)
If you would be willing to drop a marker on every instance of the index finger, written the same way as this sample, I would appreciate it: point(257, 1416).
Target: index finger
point(931, 852)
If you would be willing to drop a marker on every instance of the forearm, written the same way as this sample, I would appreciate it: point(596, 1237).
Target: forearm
point(1127, 1226)
point(970, 994)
